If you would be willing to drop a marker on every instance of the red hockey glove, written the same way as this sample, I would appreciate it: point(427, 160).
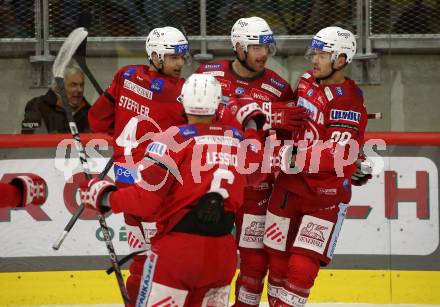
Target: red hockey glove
point(33, 189)
point(363, 172)
point(94, 192)
point(290, 118)
point(246, 109)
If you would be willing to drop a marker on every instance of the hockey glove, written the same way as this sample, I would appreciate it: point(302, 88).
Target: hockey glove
point(290, 118)
point(33, 189)
point(245, 110)
point(363, 172)
point(94, 193)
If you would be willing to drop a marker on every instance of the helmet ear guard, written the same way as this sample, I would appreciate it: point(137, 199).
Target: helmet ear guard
point(201, 95)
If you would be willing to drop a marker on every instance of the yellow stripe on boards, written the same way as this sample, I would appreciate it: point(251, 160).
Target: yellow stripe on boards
point(346, 286)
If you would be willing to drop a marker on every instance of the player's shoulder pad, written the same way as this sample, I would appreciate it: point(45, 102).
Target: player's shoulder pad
point(188, 131)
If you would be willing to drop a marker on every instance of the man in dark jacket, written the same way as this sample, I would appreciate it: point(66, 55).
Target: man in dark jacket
point(45, 114)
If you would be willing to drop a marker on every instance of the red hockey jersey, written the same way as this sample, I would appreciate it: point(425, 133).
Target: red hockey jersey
point(336, 124)
point(139, 100)
point(268, 86)
point(182, 165)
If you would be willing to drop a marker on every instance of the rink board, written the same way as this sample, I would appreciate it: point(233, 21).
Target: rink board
point(348, 286)
point(388, 250)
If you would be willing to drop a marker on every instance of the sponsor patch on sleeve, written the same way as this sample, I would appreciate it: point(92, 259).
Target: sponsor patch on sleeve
point(156, 85)
point(188, 131)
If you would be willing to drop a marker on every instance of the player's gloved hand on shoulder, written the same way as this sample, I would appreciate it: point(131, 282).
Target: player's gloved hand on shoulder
point(95, 192)
point(286, 117)
point(33, 189)
point(363, 172)
point(246, 109)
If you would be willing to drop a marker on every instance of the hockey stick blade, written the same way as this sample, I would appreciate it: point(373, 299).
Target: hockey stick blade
point(70, 45)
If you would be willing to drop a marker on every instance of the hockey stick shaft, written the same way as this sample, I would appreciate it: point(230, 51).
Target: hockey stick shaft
point(101, 219)
point(82, 63)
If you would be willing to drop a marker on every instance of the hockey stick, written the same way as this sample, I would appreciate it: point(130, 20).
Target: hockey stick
point(79, 211)
point(64, 56)
point(79, 55)
point(85, 20)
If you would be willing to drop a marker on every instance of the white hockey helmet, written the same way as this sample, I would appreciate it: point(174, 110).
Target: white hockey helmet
point(252, 31)
point(335, 40)
point(166, 40)
point(201, 94)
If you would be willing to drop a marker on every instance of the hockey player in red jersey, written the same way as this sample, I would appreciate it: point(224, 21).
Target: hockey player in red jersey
point(198, 188)
point(142, 100)
point(308, 205)
point(253, 43)
point(23, 190)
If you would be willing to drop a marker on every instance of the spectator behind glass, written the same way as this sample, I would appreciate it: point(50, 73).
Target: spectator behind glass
point(45, 114)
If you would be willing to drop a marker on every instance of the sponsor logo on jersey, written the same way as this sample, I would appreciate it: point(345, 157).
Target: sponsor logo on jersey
point(157, 148)
point(217, 139)
point(127, 74)
point(317, 44)
point(252, 231)
point(156, 85)
point(212, 66)
point(239, 90)
point(324, 191)
point(310, 92)
point(135, 88)
point(225, 100)
point(242, 82)
point(125, 175)
point(312, 110)
point(339, 91)
point(260, 95)
point(313, 234)
point(347, 115)
point(277, 83)
point(187, 131)
point(215, 73)
point(271, 89)
point(328, 93)
point(147, 279)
